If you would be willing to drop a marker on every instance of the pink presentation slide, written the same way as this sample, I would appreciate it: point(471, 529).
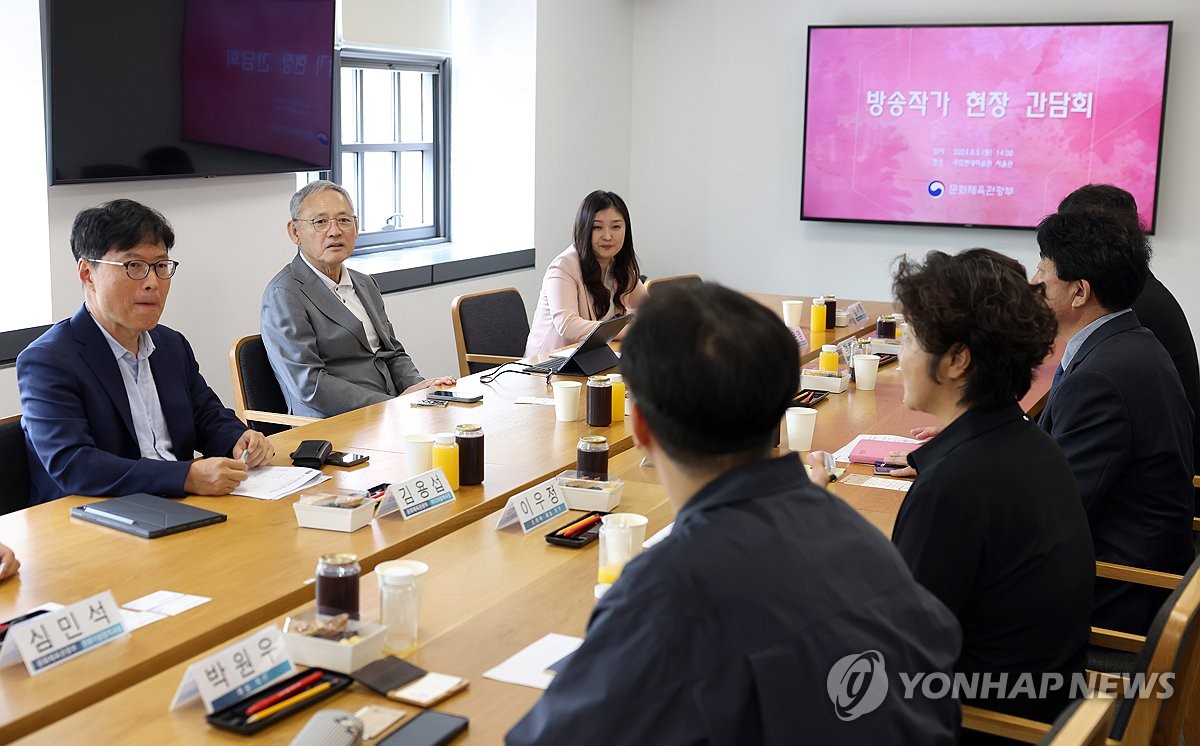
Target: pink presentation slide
point(982, 125)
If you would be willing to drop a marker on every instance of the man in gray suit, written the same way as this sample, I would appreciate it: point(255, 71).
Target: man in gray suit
point(324, 325)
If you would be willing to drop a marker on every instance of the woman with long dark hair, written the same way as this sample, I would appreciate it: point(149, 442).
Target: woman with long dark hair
point(595, 279)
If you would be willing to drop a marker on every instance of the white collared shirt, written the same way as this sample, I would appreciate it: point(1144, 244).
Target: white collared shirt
point(344, 291)
point(149, 423)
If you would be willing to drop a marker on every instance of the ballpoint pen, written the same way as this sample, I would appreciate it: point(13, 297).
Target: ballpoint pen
point(830, 467)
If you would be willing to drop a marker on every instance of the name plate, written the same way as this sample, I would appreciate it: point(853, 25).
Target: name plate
point(417, 495)
point(534, 506)
point(236, 672)
point(856, 312)
point(845, 350)
point(801, 340)
point(70, 631)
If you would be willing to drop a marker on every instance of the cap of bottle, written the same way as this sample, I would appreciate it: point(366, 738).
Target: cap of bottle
point(444, 438)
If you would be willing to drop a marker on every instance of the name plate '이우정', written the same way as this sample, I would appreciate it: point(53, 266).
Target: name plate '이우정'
point(534, 506)
point(47, 640)
point(416, 495)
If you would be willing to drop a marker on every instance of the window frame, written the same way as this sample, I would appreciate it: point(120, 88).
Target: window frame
point(440, 67)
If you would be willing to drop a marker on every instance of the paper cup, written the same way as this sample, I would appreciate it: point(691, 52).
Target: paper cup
point(866, 368)
point(418, 453)
point(801, 423)
point(634, 522)
point(566, 400)
point(793, 310)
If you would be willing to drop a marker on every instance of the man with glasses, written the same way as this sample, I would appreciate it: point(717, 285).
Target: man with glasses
point(326, 331)
point(112, 402)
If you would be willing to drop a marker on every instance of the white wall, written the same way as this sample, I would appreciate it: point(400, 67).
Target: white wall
point(584, 83)
point(230, 231)
point(717, 132)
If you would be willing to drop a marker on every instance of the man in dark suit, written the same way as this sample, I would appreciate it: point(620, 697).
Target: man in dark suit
point(1156, 307)
point(1117, 409)
point(114, 403)
point(324, 325)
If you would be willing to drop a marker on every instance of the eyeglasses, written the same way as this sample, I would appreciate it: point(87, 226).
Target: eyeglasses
point(345, 222)
point(139, 270)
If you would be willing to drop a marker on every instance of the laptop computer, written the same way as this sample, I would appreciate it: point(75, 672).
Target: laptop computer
point(147, 516)
point(591, 356)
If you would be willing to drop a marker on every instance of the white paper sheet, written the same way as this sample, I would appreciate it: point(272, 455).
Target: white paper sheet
point(274, 482)
point(534, 400)
point(166, 603)
point(528, 666)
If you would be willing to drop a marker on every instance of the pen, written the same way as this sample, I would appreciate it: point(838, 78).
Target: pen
point(284, 693)
point(246, 456)
point(579, 526)
point(306, 694)
point(830, 467)
point(110, 516)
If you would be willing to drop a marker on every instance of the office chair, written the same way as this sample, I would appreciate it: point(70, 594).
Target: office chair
point(490, 329)
point(14, 466)
point(1171, 645)
point(681, 281)
point(257, 398)
point(1085, 722)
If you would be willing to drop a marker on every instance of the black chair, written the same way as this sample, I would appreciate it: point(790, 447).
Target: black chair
point(680, 281)
point(14, 466)
point(490, 329)
point(257, 398)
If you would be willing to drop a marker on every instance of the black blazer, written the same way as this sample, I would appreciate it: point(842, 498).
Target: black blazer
point(1120, 415)
point(1160, 313)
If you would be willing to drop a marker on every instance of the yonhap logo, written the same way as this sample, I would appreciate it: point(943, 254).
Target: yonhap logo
point(857, 684)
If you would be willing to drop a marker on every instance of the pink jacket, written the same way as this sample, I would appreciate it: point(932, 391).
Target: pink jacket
point(564, 312)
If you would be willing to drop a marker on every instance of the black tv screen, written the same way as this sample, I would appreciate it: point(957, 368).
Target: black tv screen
point(139, 89)
point(988, 125)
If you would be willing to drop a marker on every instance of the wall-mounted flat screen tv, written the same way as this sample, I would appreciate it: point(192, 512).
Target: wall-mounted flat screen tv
point(986, 125)
point(139, 89)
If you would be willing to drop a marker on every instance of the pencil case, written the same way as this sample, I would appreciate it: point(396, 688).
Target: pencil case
point(581, 539)
point(233, 718)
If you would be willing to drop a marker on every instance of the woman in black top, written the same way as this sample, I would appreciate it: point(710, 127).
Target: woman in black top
point(993, 525)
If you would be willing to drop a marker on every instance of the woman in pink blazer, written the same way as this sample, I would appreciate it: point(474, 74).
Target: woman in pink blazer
point(595, 279)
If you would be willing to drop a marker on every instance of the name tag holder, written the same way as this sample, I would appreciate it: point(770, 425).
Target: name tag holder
point(48, 640)
point(231, 675)
point(534, 506)
point(857, 313)
point(416, 495)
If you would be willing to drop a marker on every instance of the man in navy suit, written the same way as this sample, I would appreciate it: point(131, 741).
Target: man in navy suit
point(113, 403)
point(1117, 409)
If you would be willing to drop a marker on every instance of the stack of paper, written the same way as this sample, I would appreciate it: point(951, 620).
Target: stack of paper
point(274, 482)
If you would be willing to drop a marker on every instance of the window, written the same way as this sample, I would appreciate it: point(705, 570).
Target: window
point(394, 133)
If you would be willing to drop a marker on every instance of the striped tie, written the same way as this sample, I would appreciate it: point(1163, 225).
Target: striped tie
point(1058, 372)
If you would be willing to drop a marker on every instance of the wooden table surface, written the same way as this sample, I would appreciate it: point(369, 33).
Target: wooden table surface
point(256, 565)
point(490, 593)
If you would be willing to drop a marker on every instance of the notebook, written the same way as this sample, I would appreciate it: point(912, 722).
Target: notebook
point(873, 451)
point(147, 516)
point(591, 356)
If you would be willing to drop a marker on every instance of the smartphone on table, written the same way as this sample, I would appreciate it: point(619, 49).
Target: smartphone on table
point(451, 395)
point(340, 458)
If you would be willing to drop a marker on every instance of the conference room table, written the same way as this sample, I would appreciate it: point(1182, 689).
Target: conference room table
point(259, 563)
point(490, 593)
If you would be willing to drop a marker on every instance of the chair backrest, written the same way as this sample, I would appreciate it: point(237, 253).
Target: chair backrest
point(490, 328)
point(254, 384)
point(1085, 722)
point(14, 466)
point(1172, 647)
point(676, 281)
